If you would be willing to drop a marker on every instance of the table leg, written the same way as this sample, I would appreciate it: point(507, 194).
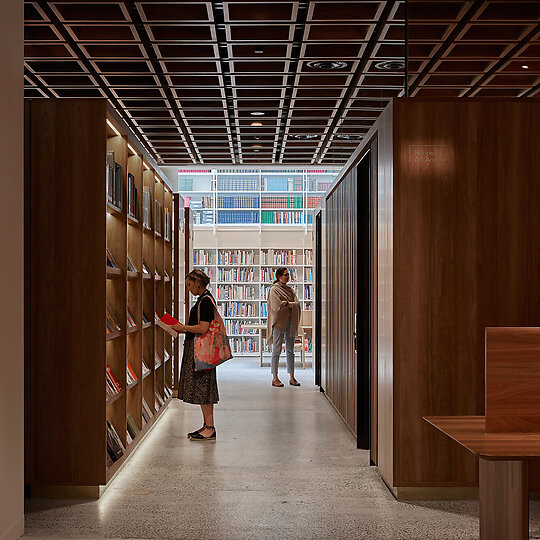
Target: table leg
point(504, 500)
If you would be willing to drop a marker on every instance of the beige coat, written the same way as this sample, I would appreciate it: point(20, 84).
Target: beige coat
point(280, 315)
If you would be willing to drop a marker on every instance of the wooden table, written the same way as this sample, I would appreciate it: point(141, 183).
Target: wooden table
point(503, 485)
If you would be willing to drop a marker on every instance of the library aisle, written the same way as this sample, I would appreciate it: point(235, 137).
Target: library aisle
point(284, 466)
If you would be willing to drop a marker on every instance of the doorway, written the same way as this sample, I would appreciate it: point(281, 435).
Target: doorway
point(318, 300)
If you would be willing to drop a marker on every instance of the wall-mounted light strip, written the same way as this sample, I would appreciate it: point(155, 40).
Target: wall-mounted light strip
point(132, 150)
point(109, 123)
point(146, 166)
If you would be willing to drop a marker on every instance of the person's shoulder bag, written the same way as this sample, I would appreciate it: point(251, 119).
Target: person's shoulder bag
point(211, 348)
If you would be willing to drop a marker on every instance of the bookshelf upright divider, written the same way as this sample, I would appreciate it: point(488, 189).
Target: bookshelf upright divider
point(91, 307)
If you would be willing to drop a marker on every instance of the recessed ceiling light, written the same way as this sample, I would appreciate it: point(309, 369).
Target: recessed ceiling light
point(327, 64)
point(256, 124)
point(259, 50)
point(348, 137)
point(305, 136)
point(257, 113)
point(256, 146)
point(525, 67)
point(391, 65)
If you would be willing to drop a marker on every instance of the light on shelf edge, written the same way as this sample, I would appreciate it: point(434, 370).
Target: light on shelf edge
point(110, 124)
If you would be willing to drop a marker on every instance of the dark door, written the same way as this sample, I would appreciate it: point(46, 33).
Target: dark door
point(318, 298)
point(363, 302)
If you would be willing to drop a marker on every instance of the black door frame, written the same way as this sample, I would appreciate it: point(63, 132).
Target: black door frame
point(363, 302)
point(318, 299)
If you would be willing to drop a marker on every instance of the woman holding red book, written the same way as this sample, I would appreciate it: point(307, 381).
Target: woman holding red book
point(198, 387)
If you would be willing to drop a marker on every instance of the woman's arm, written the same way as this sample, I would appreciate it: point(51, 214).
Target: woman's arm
point(200, 328)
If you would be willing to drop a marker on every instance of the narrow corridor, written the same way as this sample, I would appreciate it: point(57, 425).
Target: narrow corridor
point(284, 467)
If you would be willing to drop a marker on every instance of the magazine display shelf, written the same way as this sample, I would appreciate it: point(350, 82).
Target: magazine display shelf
point(85, 178)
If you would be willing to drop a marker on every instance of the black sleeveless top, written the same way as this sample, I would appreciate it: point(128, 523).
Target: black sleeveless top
point(207, 311)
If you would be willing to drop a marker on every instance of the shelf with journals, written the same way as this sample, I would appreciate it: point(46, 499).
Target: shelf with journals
point(240, 281)
point(105, 211)
point(263, 197)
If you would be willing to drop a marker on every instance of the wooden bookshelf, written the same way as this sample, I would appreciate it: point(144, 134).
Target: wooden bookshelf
point(72, 224)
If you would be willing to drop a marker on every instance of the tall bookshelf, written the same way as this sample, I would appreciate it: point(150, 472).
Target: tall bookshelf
point(273, 197)
point(91, 311)
point(240, 281)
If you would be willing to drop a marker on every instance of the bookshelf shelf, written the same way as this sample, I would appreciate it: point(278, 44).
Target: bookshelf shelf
point(112, 399)
point(113, 273)
point(113, 335)
point(114, 210)
point(103, 218)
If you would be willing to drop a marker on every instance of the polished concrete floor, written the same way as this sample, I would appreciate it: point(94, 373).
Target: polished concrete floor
point(284, 467)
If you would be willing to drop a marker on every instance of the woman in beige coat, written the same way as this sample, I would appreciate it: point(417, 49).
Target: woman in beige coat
point(283, 319)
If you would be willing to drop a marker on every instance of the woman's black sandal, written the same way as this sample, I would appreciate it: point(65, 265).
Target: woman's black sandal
point(198, 437)
point(189, 435)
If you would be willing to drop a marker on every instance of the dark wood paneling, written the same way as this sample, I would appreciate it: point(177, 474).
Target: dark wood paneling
point(512, 380)
point(341, 283)
point(465, 254)
point(68, 254)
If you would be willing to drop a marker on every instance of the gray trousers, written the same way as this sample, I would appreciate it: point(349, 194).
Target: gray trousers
point(278, 335)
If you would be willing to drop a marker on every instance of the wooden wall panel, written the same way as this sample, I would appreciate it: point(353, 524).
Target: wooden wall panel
point(385, 302)
point(341, 282)
point(466, 257)
point(68, 441)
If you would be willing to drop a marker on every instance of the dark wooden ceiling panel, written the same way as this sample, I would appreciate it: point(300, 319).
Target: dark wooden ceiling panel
point(192, 77)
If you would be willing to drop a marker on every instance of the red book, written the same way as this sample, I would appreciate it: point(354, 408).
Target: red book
point(166, 322)
point(113, 379)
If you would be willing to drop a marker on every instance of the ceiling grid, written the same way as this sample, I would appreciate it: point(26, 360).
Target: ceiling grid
point(282, 81)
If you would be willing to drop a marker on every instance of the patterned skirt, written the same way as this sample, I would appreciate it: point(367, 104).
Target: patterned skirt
point(198, 387)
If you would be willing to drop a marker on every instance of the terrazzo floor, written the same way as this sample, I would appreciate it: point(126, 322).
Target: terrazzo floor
point(284, 467)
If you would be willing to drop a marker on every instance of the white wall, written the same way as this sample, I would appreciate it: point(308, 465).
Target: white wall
point(11, 273)
point(172, 174)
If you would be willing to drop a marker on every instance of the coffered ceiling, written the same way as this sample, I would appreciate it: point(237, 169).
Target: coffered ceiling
point(277, 81)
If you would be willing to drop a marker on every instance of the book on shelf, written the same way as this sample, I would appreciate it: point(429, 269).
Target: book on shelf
point(111, 262)
point(167, 277)
point(111, 321)
point(157, 360)
point(145, 317)
point(167, 390)
point(145, 369)
point(130, 319)
point(146, 208)
point(166, 355)
point(160, 399)
point(158, 275)
point(146, 408)
point(133, 425)
point(167, 224)
point(129, 438)
point(167, 322)
point(132, 197)
point(130, 374)
point(115, 448)
point(145, 268)
point(157, 217)
point(130, 265)
point(112, 381)
point(113, 178)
